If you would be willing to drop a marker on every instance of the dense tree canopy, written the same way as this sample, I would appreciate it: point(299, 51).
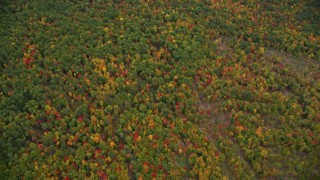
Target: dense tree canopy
point(143, 89)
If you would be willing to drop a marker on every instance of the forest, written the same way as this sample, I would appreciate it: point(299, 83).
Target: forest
point(159, 89)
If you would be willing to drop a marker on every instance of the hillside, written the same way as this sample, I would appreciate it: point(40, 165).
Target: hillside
point(159, 89)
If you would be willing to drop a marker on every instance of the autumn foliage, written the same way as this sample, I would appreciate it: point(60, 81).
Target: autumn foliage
point(157, 89)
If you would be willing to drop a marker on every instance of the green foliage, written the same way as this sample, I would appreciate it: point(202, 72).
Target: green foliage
point(159, 89)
